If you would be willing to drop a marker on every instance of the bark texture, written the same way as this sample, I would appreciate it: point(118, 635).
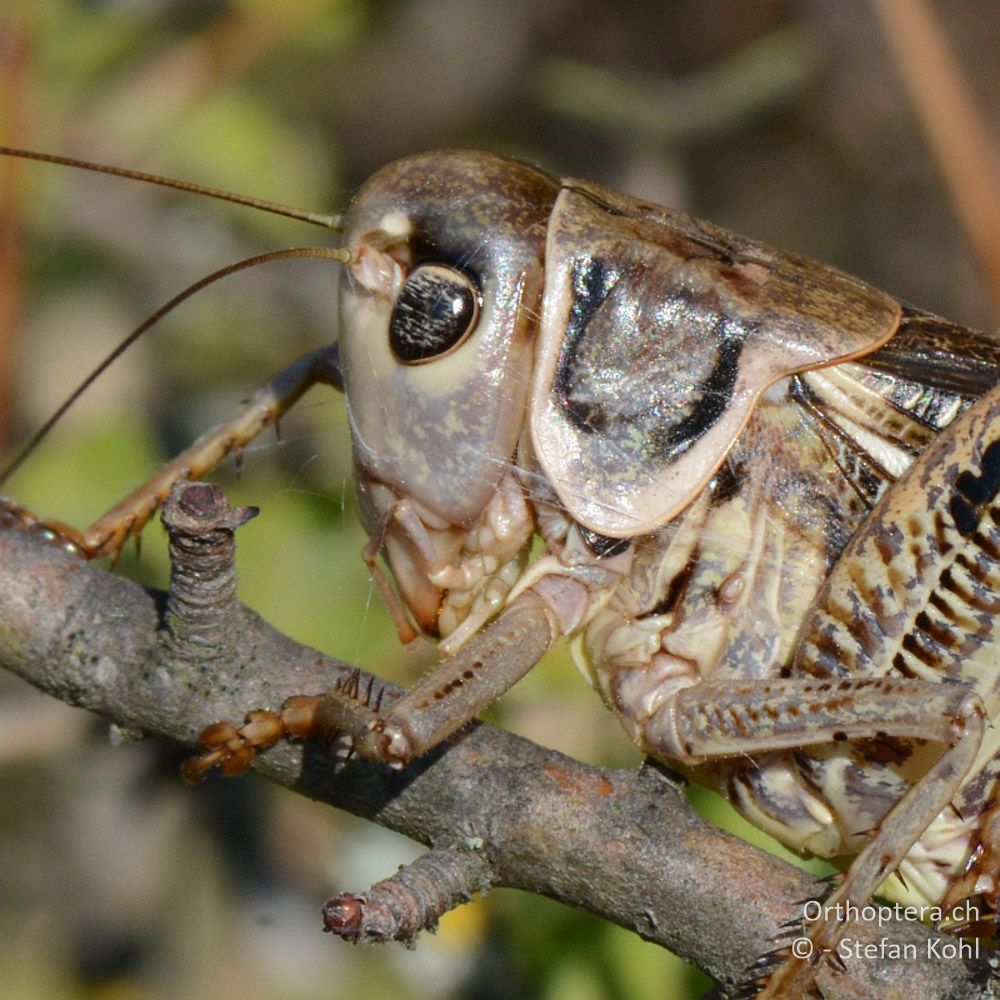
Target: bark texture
point(495, 809)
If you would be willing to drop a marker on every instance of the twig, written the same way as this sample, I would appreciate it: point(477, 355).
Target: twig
point(622, 845)
point(412, 900)
point(957, 132)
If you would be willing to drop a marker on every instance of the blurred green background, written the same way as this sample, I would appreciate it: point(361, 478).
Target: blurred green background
point(782, 120)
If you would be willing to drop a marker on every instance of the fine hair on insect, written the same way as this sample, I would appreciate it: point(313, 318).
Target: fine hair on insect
point(769, 530)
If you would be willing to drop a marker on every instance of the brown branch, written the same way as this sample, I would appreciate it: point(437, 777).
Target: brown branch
point(497, 810)
point(960, 137)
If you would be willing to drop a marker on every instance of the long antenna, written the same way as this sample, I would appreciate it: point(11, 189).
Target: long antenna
point(314, 218)
point(341, 255)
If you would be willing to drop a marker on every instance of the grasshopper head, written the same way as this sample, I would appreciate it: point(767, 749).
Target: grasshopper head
point(439, 313)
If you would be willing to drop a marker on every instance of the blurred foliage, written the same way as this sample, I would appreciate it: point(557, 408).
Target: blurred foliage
point(778, 119)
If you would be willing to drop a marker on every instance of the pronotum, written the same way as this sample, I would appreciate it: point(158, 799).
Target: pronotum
point(767, 494)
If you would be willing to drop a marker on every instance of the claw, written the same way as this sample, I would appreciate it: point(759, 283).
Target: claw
point(836, 959)
point(17, 518)
point(233, 750)
point(770, 956)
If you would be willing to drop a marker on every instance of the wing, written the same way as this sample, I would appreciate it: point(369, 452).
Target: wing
point(659, 332)
point(932, 362)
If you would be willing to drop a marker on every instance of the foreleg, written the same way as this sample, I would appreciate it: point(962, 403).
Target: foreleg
point(109, 533)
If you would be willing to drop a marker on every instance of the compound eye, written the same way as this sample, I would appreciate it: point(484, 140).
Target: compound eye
point(436, 310)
